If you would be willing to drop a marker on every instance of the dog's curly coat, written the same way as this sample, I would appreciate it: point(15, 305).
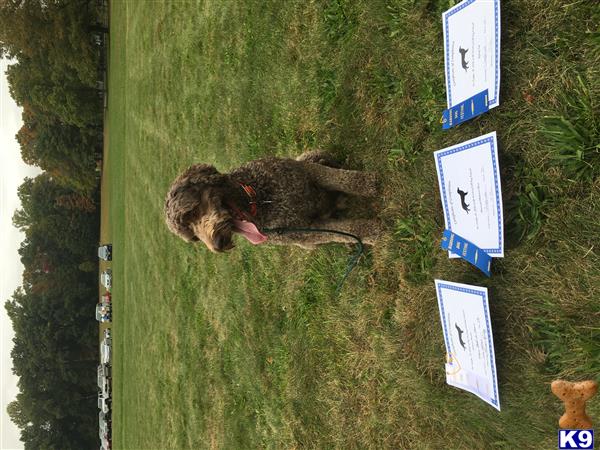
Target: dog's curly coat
point(269, 194)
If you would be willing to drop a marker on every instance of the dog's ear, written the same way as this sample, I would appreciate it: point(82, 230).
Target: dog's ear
point(178, 207)
point(204, 174)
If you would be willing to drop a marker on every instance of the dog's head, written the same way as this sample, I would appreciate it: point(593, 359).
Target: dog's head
point(198, 207)
point(194, 208)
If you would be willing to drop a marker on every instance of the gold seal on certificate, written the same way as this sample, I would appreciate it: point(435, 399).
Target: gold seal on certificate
point(469, 181)
point(472, 51)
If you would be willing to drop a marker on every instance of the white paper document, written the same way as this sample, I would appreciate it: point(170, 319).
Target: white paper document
point(469, 181)
point(472, 50)
point(470, 361)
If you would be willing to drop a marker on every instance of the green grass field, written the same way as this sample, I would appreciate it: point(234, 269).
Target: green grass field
point(252, 349)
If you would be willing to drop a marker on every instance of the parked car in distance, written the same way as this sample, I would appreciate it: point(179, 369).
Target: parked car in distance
point(103, 312)
point(104, 422)
point(104, 430)
point(104, 379)
point(104, 371)
point(106, 347)
point(105, 443)
point(103, 403)
point(106, 279)
point(105, 252)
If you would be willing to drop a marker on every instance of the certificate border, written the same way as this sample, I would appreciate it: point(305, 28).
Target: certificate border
point(440, 284)
point(493, 101)
point(491, 139)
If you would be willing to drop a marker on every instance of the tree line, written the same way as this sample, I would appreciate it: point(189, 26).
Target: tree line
point(55, 44)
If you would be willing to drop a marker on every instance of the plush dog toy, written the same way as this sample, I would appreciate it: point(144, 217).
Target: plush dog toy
point(574, 395)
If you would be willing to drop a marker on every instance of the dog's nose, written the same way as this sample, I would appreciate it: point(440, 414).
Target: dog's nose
point(219, 243)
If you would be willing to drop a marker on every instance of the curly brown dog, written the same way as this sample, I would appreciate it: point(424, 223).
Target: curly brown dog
point(263, 198)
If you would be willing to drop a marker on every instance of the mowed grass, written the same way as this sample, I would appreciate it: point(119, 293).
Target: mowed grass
point(253, 349)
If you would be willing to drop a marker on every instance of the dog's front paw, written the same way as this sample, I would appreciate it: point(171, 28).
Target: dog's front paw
point(373, 231)
point(372, 185)
point(306, 245)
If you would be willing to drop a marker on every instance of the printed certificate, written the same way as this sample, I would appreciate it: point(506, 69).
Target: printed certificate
point(472, 50)
point(469, 180)
point(471, 361)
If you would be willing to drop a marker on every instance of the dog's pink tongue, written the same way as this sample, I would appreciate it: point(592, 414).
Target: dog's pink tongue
point(249, 231)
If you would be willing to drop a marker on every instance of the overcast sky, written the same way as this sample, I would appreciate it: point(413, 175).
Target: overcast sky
point(12, 172)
